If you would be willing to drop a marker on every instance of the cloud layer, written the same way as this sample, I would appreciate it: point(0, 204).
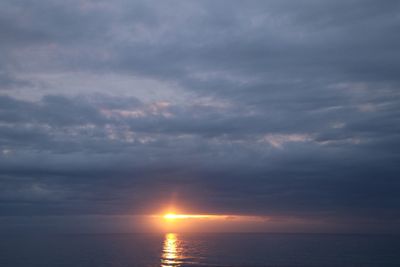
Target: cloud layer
point(267, 108)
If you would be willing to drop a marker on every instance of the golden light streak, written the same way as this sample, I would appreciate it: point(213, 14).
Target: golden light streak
point(172, 216)
point(171, 221)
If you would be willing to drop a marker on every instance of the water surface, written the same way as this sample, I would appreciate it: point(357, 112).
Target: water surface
point(127, 250)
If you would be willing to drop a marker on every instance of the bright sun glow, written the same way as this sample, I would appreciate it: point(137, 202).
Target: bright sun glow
point(173, 216)
point(171, 221)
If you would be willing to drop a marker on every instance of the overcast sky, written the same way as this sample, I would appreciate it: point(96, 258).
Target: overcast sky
point(273, 108)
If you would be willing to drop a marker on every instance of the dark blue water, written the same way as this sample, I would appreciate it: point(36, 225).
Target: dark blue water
point(127, 250)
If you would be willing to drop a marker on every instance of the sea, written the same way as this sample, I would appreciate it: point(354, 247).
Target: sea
point(225, 249)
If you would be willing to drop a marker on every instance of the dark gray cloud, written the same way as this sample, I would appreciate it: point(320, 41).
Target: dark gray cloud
point(264, 107)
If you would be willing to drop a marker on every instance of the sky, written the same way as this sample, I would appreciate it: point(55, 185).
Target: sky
point(285, 110)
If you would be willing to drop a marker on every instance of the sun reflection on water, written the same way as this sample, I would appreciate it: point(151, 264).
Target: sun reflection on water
point(172, 252)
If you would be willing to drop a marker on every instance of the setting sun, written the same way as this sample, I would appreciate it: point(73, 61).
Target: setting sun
point(170, 216)
point(173, 216)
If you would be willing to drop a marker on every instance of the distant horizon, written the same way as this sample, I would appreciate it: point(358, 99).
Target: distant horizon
point(284, 114)
point(200, 233)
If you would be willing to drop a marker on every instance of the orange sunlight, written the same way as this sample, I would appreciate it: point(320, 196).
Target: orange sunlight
point(176, 222)
point(173, 216)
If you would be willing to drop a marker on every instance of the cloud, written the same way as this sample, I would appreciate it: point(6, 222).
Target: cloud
point(270, 107)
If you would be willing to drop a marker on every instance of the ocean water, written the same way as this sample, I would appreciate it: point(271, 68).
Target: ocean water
point(128, 250)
